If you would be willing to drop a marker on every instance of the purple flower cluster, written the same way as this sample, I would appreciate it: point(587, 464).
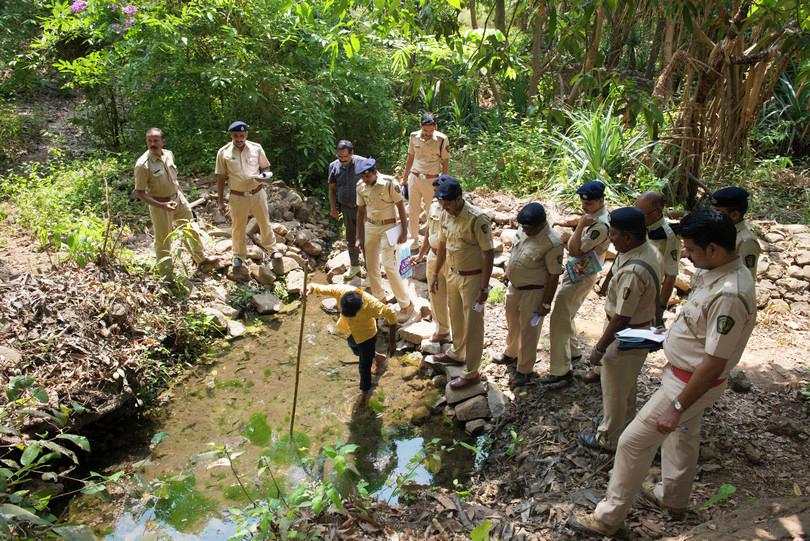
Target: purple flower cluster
point(116, 26)
point(128, 22)
point(78, 6)
point(129, 9)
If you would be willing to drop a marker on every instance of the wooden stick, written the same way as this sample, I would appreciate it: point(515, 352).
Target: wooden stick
point(298, 356)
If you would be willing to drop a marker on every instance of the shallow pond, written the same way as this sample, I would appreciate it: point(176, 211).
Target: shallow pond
point(181, 488)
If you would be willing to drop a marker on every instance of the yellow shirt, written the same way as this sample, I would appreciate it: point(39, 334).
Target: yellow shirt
point(428, 154)
point(466, 236)
point(668, 248)
point(717, 319)
point(534, 258)
point(631, 292)
point(239, 167)
point(363, 325)
point(155, 175)
point(747, 248)
point(595, 236)
point(380, 198)
point(434, 224)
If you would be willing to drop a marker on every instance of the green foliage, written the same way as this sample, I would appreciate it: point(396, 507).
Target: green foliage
point(193, 334)
point(515, 443)
point(17, 131)
point(497, 295)
point(785, 125)
point(723, 493)
point(481, 532)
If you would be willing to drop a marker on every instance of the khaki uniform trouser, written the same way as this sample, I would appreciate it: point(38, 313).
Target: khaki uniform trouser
point(376, 247)
point(466, 325)
point(420, 196)
point(619, 380)
point(562, 329)
point(242, 207)
point(163, 222)
point(639, 443)
point(521, 337)
point(438, 300)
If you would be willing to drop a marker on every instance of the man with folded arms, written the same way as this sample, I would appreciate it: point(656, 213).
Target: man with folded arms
point(705, 342)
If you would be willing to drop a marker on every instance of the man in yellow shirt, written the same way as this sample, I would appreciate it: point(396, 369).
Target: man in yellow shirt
point(358, 320)
point(243, 164)
point(156, 185)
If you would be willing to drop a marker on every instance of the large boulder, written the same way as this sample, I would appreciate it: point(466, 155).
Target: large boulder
point(454, 396)
point(474, 408)
point(266, 303)
point(416, 333)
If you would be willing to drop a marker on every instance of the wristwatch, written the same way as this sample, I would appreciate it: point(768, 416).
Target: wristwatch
point(486, 289)
point(678, 406)
point(547, 305)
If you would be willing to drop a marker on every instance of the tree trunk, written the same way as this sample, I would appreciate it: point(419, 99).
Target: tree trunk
point(658, 39)
point(473, 16)
point(537, 50)
point(592, 53)
point(620, 26)
point(500, 15)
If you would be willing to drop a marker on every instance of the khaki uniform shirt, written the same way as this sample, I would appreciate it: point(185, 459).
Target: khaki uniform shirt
point(631, 292)
point(666, 243)
point(380, 198)
point(534, 258)
point(595, 237)
point(363, 325)
point(239, 167)
point(434, 224)
point(466, 236)
point(428, 154)
point(747, 248)
point(155, 175)
point(717, 319)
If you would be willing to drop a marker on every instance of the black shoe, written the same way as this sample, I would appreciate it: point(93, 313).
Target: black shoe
point(504, 359)
point(591, 440)
point(551, 379)
point(522, 379)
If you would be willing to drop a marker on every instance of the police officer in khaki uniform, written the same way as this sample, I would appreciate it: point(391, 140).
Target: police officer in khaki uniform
point(705, 342)
point(591, 234)
point(733, 202)
point(243, 164)
point(379, 198)
point(156, 185)
point(631, 301)
point(666, 243)
point(465, 245)
point(343, 178)
point(430, 246)
point(428, 156)
point(533, 271)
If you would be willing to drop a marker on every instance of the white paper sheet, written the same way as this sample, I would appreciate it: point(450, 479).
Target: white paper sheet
point(393, 234)
point(639, 335)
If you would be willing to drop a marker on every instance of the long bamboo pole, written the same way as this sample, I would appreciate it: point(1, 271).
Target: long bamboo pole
point(300, 344)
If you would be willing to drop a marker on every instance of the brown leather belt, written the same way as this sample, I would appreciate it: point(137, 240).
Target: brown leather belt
point(382, 222)
point(526, 288)
point(429, 177)
point(164, 199)
point(254, 191)
point(466, 273)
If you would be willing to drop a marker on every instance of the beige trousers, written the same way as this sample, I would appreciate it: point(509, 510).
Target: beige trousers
point(466, 325)
point(639, 443)
point(619, 380)
point(438, 300)
point(562, 329)
point(420, 195)
point(377, 247)
point(242, 207)
point(521, 337)
point(164, 221)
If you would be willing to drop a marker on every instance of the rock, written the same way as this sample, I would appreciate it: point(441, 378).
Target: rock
point(753, 454)
point(409, 372)
point(419, 415)
point(430, 348)
point(739, 382)
point(454, 396)
point(227, 310)
point(118, 313)
point(280, 229)
point(501, 260)
point(496, 401)
point(264, 275)
point(420, 272)
point(774, 272)
point(778, 306)
point(565, 235)
point(475, 427)
point(687, 267)
point(266, 303)
point(422, 305)
point(794, 285)
point(330, 305)
point(313, 249)
point(295, 282)
point(439, 381)
point(774, 236)
point(682, 283)
point(218, 319)
point(806, 273)
point(570, 220)
point(449, 370)
point(439, 405)
point(762, 265)
point(294, 254)
point(414, 358)
point(474, 408)
point(239, 274)
point(763, 297)
point(802, 258)
point(9, 356)
point(255, 253)
point(795, 271)
point(800, 308)
point(338, 263)
point(498, 272)
point(416, 333)
point(497, 245)
point(784, 426)
point(500, 218)
point(508, 237)
point(223, 246)
point(284, 265)
point(221, 233)
point(795, 229)
point(252, 226)
point(235, 328)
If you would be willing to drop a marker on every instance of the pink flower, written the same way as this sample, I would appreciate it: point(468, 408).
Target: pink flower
point(128, 23)
point(129, 9)
point(116, 26)
point(78, 6)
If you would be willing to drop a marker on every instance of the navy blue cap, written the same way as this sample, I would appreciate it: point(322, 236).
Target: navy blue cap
point(449, 190)
point(729, 197)
point(627, 219)
point(593, 189)
point(532, 214)
point(444, 177)
point(365, 165)
point(238, 126)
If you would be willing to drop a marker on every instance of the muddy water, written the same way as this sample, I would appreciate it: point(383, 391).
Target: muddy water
point(180, 488)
